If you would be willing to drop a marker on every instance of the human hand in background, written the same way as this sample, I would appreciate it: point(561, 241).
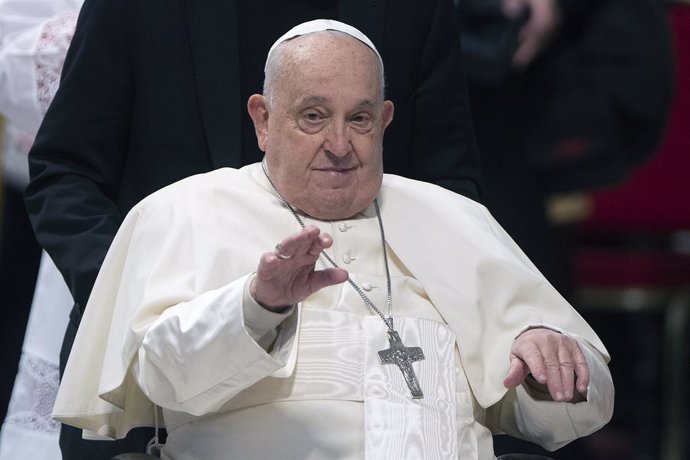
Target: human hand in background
point(535, 35)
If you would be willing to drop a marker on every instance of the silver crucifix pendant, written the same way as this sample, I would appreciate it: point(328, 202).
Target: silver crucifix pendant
point(403, 357)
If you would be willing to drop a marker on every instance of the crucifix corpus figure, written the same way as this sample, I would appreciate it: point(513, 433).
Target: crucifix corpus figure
point(403, 357)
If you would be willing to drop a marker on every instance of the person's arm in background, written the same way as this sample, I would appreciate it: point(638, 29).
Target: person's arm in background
point(444, 150)
point(545, 19)
point(76, 159)
point(611, 74)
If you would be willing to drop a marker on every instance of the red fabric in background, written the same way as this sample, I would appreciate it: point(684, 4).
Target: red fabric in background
point(655, 201)
point(657, 196)
point(616, 268)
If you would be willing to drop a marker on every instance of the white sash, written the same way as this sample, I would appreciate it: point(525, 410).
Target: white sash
point(397, 426)
point(338, 360)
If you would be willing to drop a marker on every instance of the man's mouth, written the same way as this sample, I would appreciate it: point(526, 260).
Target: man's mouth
point(336, 170)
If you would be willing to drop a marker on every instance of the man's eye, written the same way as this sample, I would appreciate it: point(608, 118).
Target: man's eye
point(311, 121)
point(313, 116)
point(362, 121)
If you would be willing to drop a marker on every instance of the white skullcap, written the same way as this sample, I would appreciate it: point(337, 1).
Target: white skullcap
point(318, 25)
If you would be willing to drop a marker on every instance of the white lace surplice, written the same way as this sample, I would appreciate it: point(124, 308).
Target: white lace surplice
point(28, 430)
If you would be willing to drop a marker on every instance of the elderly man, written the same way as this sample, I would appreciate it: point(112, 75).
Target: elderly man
point(345, 341)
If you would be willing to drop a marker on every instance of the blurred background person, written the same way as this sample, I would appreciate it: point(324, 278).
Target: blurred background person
point(632, 260)
point(34, 37)
point(573, 96)
point(567, 96)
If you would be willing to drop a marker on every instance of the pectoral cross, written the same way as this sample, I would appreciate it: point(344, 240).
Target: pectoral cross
point(403, 357)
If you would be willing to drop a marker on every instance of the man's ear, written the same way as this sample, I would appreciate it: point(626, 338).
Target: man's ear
point(258, 111)
point(387, 115)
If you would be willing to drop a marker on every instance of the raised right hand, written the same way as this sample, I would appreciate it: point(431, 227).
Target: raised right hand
point(284, 281)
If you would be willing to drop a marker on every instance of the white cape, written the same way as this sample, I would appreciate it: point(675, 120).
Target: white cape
point(481, 283)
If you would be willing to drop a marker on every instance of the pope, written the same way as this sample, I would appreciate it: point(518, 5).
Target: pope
point(311, 306)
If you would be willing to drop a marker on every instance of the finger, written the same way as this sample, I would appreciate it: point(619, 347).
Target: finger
point(298, 243)
point(543, 22)
point(269, 263)
point(530, 353)
point(327, 277)
point(517, 373)
point(581, 370)
point(525, 52)
point(309, 244)
point(326, 240)
point(543, 363)
point(285, 259)
point(558, 362)
point(567, 369)
point(529, 43)
point(323, 241)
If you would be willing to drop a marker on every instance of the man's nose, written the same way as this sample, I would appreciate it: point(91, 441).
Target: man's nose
point(337, 139)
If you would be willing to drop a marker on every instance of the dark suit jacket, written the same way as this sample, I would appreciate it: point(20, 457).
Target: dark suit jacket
point(150, 94)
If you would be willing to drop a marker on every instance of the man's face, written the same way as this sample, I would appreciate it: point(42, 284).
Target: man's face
point(323, 129)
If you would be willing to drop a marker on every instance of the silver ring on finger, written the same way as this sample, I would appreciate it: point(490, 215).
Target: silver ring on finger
point(280, 255)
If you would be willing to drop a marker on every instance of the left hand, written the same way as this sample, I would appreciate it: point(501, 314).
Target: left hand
point(553, 359)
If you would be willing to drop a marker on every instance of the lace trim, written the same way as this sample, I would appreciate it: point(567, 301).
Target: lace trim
point(33, 397)
point(51, 49)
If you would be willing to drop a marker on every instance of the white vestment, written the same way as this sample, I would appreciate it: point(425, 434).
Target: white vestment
point(170, 321)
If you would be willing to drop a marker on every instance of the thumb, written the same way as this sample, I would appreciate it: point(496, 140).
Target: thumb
point(517, 373)
point(327, 277)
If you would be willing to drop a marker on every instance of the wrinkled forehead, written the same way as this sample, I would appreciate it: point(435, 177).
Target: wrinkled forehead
point(320, 25)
